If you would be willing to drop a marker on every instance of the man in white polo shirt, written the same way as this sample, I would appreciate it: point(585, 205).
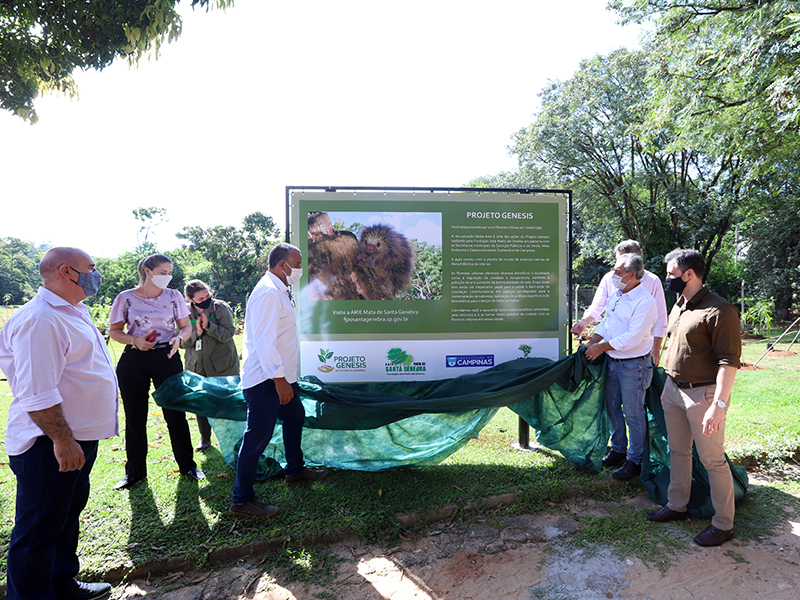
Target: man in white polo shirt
point(628, 330)
point(64, 400)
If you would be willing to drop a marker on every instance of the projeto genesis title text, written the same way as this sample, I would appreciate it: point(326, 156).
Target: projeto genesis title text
point(500, 215)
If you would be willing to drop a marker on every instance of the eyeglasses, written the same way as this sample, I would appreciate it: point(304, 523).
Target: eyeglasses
point(619, 297)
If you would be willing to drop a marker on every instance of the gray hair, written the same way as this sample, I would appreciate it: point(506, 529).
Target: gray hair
point(281, 252)
point(629, 247)
point(633, 263)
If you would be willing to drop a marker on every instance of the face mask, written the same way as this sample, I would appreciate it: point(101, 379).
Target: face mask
point(89, 282)
point(675, 284)
point(205, 303)
point(616, 281)
point(293, 278)
point(161, 281)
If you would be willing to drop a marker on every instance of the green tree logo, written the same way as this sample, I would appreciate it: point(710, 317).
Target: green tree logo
point(398, 356)
point(324, 356)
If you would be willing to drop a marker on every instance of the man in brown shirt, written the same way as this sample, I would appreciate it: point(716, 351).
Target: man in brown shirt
point(701, 360)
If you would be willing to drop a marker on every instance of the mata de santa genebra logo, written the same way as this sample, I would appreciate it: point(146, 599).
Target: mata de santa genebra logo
point(340, 363)
point(398, 362)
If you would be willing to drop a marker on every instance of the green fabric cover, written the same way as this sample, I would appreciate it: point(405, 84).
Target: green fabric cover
point(381, 426)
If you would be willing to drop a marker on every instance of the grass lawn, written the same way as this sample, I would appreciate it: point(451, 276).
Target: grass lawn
point(170, 516)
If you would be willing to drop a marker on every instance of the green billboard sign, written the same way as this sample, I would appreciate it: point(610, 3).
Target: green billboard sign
point(428, 285)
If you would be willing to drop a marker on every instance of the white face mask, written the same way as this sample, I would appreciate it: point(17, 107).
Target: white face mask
point(161, 281)
point(293, 278)
point(616, 281)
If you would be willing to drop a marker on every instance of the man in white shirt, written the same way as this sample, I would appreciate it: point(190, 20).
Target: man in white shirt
point(650, 282)
point(64, 400)
point(269, 381)
point(628, 330)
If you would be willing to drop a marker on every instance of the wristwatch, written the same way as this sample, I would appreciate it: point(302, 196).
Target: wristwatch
point(720, 404)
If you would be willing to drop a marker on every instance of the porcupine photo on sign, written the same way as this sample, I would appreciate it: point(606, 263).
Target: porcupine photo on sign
point(370, 256)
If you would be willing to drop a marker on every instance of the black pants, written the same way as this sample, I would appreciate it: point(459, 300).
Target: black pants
point(135, 370)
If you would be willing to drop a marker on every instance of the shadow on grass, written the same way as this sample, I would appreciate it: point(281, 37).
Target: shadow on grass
point(169, 517)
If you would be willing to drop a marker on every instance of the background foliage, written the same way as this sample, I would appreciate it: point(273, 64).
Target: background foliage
point(42, 43)
point(19, 270)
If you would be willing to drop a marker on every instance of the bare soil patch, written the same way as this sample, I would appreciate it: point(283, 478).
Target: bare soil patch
point(749, 367)
point(774, 352)
point(512, 558)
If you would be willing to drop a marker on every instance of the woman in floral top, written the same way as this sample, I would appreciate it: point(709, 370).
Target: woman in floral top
point(151, 320)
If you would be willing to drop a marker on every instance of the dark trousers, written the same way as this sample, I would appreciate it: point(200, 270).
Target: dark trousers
point(204, 427)
point(263, 410)
point(42, 554)
point(135, 370)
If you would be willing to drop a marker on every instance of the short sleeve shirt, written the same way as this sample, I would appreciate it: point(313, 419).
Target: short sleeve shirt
point(704, 333)
point(143, 315)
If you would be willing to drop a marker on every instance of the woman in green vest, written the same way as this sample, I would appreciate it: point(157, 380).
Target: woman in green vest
point(210, 350)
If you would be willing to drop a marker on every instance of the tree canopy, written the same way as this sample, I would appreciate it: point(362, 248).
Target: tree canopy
point(19, 270)
point(723, 73)
point(587, 135)
point(723, 79)
point(235, 256)
point(42, 43)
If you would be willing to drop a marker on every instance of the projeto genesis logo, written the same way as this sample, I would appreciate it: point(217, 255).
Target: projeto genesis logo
point(471, 360)
point(340, 363)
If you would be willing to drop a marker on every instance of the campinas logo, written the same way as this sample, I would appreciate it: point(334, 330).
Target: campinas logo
point(471, 360)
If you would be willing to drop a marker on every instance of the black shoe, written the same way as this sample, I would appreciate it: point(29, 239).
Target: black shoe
point(87, 591)
point(664, 514)
point(194, 473)
point(713, 536)
point(252, 508)
point(627, 471)
point(203, 445)
point(613, 459)
point(306, 475)
point(128, 482)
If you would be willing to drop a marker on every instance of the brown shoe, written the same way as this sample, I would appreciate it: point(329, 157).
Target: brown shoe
point(252, 508)
point(306, 475)
point(664, 514)
point(713, 536)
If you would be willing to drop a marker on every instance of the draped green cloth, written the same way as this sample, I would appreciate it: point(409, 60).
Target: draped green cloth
point(382, 426)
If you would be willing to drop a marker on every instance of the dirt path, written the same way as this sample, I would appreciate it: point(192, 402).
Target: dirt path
point(518, 559)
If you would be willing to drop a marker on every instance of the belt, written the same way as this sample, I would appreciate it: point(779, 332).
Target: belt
point(624, 359)
point(686, 384)
point(158, 345)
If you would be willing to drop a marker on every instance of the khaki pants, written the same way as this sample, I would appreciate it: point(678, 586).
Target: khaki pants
point(683, 411)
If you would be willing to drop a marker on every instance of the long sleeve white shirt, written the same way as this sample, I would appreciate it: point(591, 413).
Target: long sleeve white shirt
point(52, 354)
point(628, 324)
point(650, 282)
point(270, 334)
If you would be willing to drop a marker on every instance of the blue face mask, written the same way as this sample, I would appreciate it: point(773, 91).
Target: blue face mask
point(89, 282)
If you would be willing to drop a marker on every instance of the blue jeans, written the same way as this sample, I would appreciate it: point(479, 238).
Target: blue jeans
point(628, 381)
point(263, 410)
point(43, 552)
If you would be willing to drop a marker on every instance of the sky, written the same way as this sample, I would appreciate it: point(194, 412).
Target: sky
point(273, 94)
point(424, 227)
